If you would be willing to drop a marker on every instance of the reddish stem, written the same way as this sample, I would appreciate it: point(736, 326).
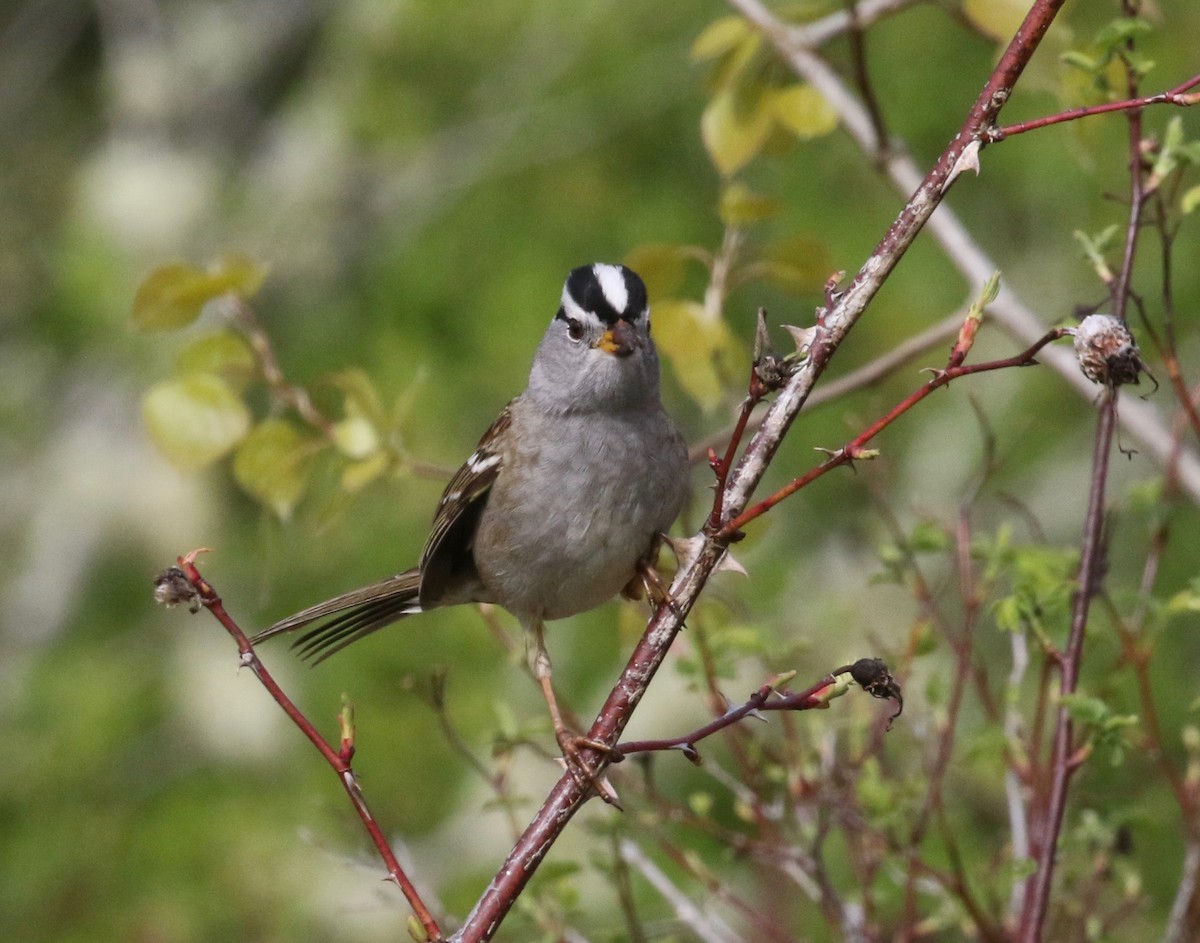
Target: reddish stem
point(759, 701)
point(722, 466)
point(1177, 96)
point(339, 760)
point(855, 449)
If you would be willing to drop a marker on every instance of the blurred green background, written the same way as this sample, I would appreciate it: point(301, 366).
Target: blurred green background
point(419, 177)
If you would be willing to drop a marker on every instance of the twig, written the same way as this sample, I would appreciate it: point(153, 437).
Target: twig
point(1177, 96)
point(1091, 568)
point(708, 928)
point(284, 390)
point(769, 698)
point(866, 375)
point(856, 448)
point(339, 760)
point(796, 46)
point(962, 645)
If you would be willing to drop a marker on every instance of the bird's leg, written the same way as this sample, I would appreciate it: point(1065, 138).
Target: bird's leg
point(648, 582)
point(570, 742)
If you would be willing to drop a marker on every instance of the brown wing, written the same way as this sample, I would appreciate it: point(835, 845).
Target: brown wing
point(447, 564)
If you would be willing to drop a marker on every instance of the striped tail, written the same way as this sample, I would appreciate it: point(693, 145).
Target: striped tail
point(355, 614)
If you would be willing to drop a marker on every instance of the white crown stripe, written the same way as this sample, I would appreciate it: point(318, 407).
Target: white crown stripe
point(612, 283)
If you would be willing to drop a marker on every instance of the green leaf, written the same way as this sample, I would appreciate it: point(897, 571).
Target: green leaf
point(273, 463)
point(1190, 199)
point(803, 111)
point(362, 399)
point(194, 420)
point(661, 266)
point(240, 274)
point(735, 125)
point(224, 354)
point(357, 475)
point(172, 296)
point(719, 37)
point(1118, 32)
point(1085, 709)
point(797, 264)
point(928, 537)
point(1079, 60)
point(700, 348)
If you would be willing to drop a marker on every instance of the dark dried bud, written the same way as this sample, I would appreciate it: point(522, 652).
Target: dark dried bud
point(172, 588)
point(873, 676)
point(1107, 351)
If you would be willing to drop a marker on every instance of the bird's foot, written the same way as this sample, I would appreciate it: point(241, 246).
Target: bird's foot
point(649, 581)
point(575, 762)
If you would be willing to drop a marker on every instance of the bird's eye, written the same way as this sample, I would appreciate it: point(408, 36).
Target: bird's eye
point(574, 329)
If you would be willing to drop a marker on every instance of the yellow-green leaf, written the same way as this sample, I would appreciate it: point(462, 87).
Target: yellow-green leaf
point(224, 354)
point(701, 349)
point(797, 264)
point(740, 206)
point(735, 125)
point(803, 111)
point(719, 37)
point(357, 475)
point(997, 19)
point(195, 419)
point(362, 399)
point(272, 465)
point(662, 268)
point(240, 274)
point(172, 296)
point(1190, 200)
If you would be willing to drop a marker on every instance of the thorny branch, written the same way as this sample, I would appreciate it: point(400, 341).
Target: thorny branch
point(1047, 827)
point(833, 326)
point(183, 584)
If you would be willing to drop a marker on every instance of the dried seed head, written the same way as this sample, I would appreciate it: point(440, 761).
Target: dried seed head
point(172, 588)
point(1107, 352)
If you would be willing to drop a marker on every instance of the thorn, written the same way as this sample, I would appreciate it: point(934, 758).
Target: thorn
point(686, 549)
point(604, 788)
point(967, 160)
point(803, 336)
point(728, 564)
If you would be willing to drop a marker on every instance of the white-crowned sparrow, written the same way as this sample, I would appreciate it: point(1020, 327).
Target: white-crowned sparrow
point(562, 503)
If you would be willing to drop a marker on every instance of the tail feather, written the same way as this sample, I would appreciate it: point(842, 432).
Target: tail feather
point(319, 643)
point(356, 614)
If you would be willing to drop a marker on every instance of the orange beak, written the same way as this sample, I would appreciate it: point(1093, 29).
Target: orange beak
point(620, 340)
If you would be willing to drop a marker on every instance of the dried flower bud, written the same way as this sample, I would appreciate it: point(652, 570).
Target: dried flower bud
point(172, 588)
point(1107, 351)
